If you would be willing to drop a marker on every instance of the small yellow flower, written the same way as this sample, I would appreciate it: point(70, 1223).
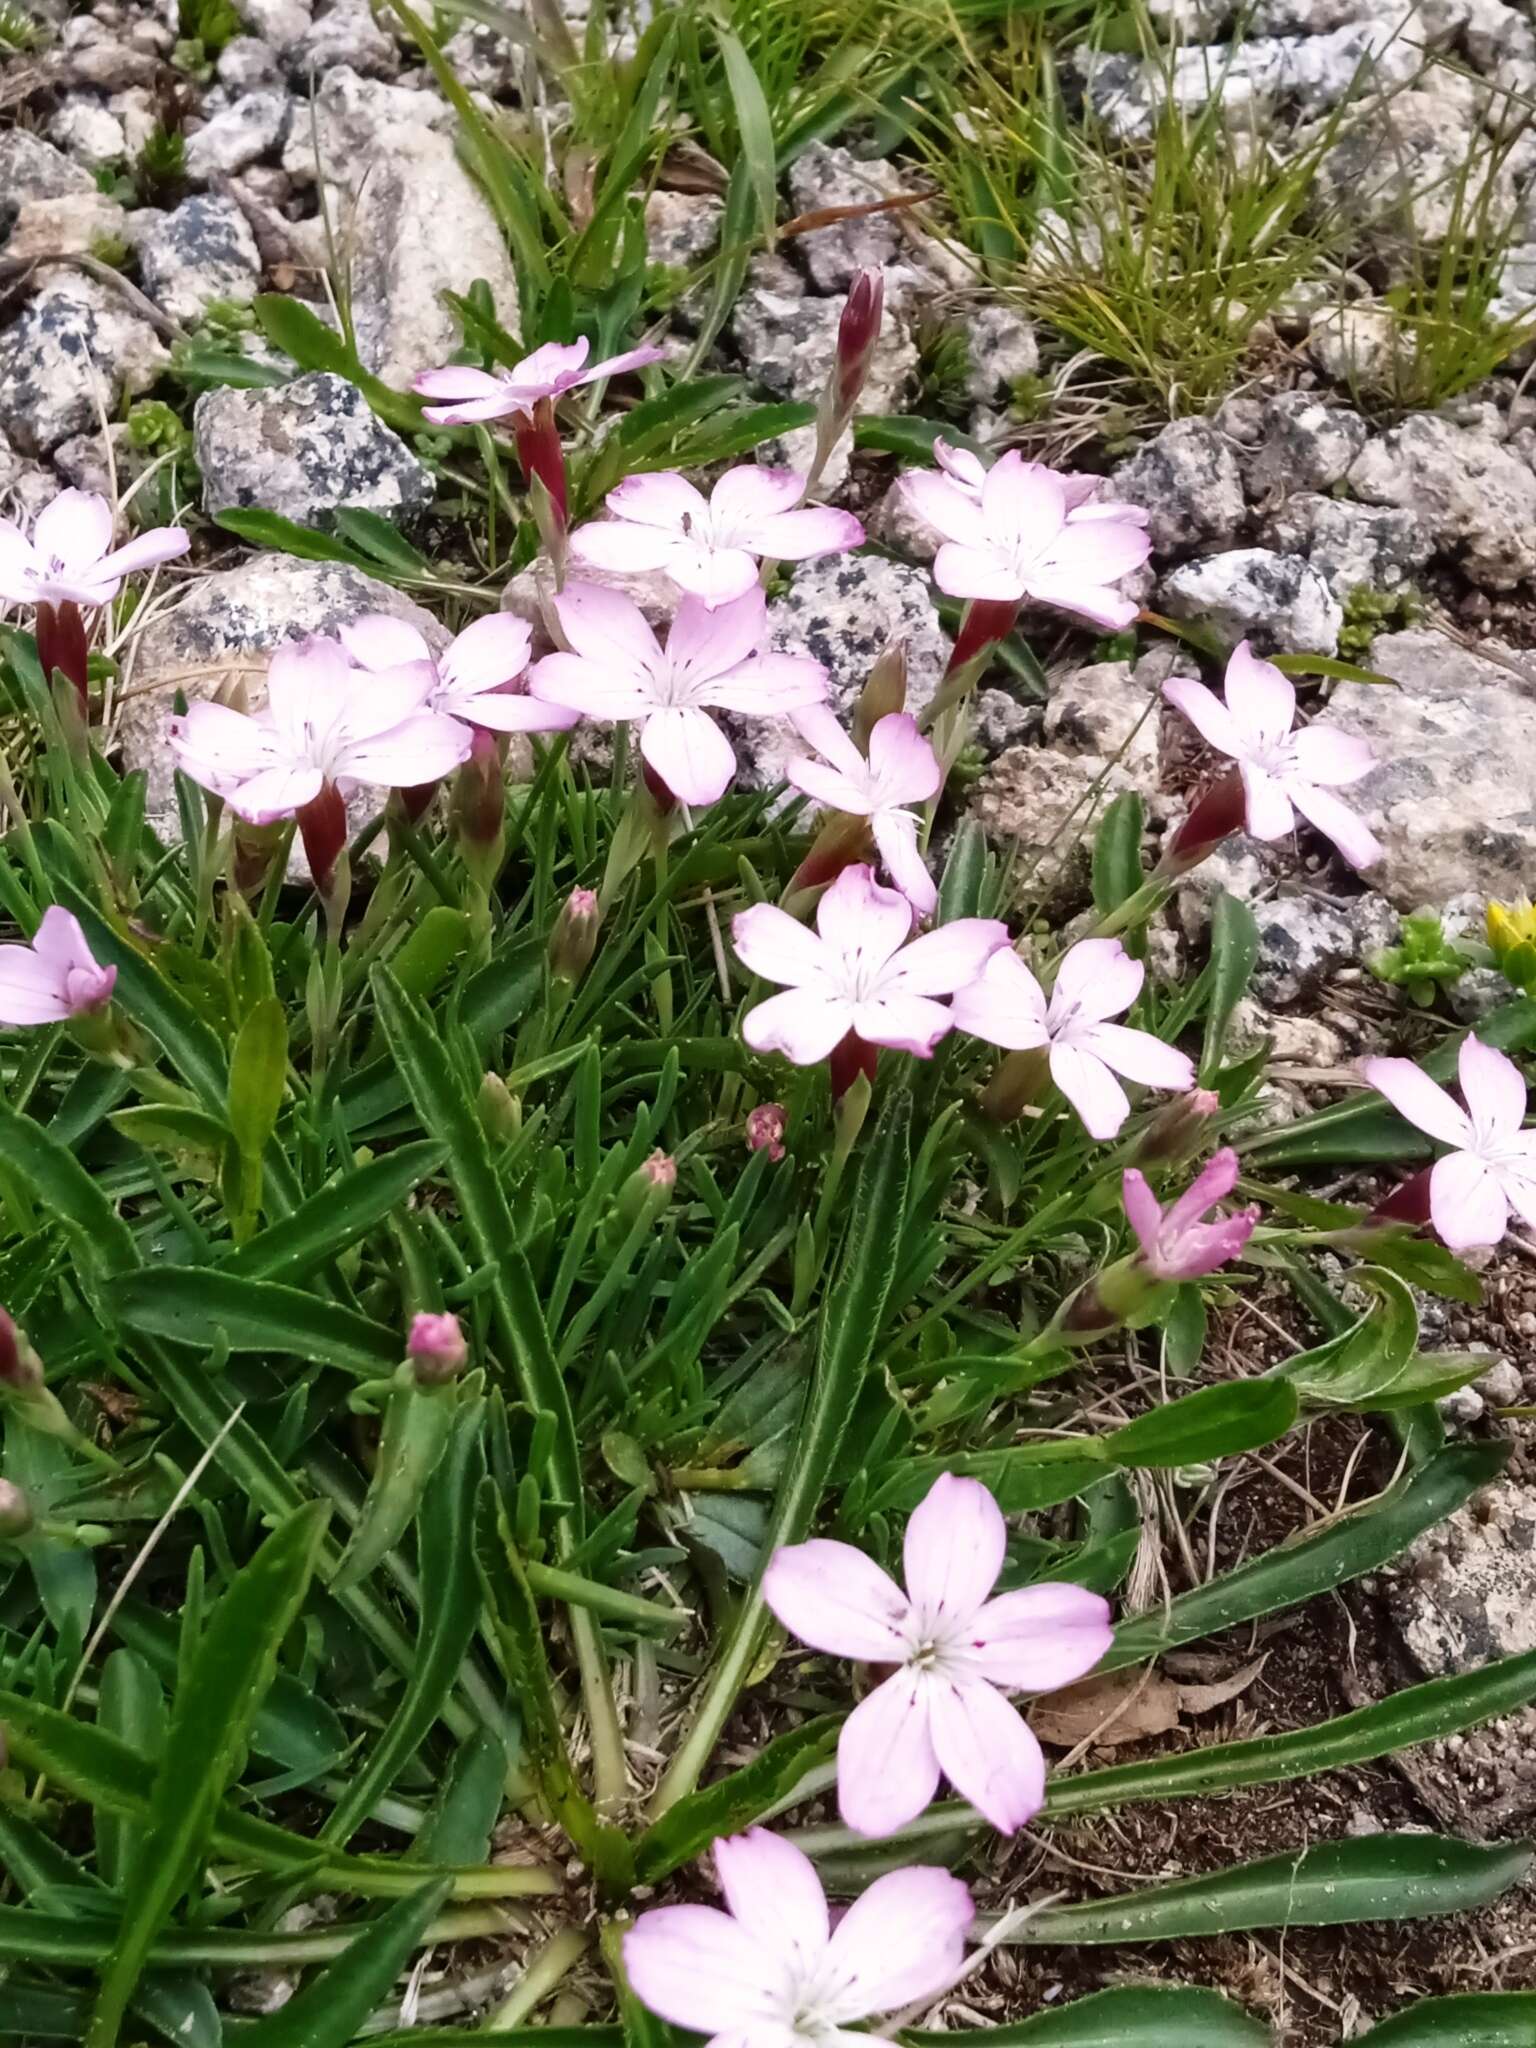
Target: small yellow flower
point(1511, 925)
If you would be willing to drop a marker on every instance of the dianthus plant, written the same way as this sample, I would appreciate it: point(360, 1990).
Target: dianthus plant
point(602, 1312)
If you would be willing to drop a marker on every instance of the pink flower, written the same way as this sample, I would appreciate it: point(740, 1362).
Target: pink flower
point(765, 1129)
point(1026, 532)
point(855, 972)
point(713, 661)
point(1097, 980)
point(1176, 1242)
point(902, 769)
point(772, 1972)
point(436, 1348)
point(55, 977)
point(711, 547)
point(957, 1653)
point(325, 724)
point(472, 679)
point(1492, 1168)
point(1280, 768)
point(968, 473)
point(549, 372)
point(70, 558)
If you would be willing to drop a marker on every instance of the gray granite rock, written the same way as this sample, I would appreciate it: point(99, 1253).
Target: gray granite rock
point(1475, 497)
point(1002, 348)
point(74, 224)
point(1305, 445)
point(1361, 347)
point(1279, 602)
point(1303, 941)
point(1396, 172)
point(74, 347)
point(247, 65)
point(1188, 482)
point(825, 175)
point(789, 343)
point(1465, 1593)
point(1352, 547)
point(88, 131)
point(304, 450)
point(202, 252)
point(33, 169)
point(347, 34)
point(239, 135)
point(1109, 709)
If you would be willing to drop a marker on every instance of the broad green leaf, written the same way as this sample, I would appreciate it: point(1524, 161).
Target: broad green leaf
point(1333, 667)
point(459, 1827)
point(64, 1187)
point(198, 1306)
point(329, 2011)
point(229, 1673)
point(1333, 1884)
point(290, 325)
point(1298, 1570)
point(337, 1216)
point(1234, 950)
point(1472, 2019)
point(1130, 2016)
point(965, 871)
point(1117, 852)
point(1213, 1422)
point(258, 1076)
point(903, 435)
point(1183, 1331)
point(1023, 1478)
point(736, 1801)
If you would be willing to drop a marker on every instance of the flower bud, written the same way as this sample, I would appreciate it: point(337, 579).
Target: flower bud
point(765, 1129)
point(16, 1516)
point(500, 1111)
point(648, 1191)
point(884, 692)
point(62, 646)
point(479, 806)
point(574, 938)
point(436, 1349)
point(323, 828)
point(851, 1059)
point(539, 451)
point(985, 621)
point(1408, 1203)
point(1215, 815)
point(21, 1370)
point(1020, 1079)
point(857, 334)
point(1176, 1132)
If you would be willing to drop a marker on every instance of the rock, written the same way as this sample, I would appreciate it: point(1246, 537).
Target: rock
point(278, 22)
point(1501, 1384)
point(137, 110)
point(1516, 297)
point(824, 175)
point(216, 640)
point(240, 135)
point(530, 593)
point(682, 229)
point(1494, 33)
point(1002, 349)
point(1280, 603)
point(248, 64)
point(1475, 498)
point(1465, 1592)
point(1303, 941)
point(73, 347)
point(346, 35)
point(88, 53)
point(1000, 721)
point(790, 344)
point(1302, 1042)
point(1453, 799)
point(32, 169)
point(389, 153)
point(303, 450)
point(84, 129)
point(202, 252)
point(1107, 709)
point(1038, 804)
point(1358, 347)
point(1188, 482)
point(73, 225)
point(1307, 445)
point(1397, 172)
point(1352, 547)
point(845, 610)
point(1477, 994)
point(1239, 867)
point(482, 60)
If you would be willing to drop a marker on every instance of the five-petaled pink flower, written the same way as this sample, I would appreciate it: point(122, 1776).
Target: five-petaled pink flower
point(901, 769)
point(856, 972)
point(55, 977)
point(326, 723)
point(70, 558)
point(772, 1972)
point(711, 547)
point(1283, 771)
point(467, 394)
point(473, 678)
point(1492, 1167)
point(1177, 1243)
point(713, 661)
point(1096, 981)
point(1028, 532)
point(957, 1652)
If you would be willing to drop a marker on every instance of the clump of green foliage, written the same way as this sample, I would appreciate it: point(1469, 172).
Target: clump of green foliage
point(1368, 611)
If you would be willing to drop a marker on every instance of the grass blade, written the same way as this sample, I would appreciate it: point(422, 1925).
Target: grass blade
point(191, 1305)
point(327, 2013)
point(1133, 2016)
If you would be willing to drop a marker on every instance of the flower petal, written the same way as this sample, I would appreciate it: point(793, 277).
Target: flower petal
point(819, 726)
point(624, 548)
point(377, 641)
point(799, 536)
point(949, 510)
point(835, 1598)
point(147, 550)
point(458, 381)
point(1206, 713)
point(1492, 1087)
point(900, 1941)
point(1260, 697)
point(1093, 552)
point(595, 688)
point(904, 1023)
point(887, 1772)
point(862, 925)
point(987, 1752)
point(1025, 504)
point(804, 1024)
point(1142, 1209)
point(216, 744)
point(18, 564)
point(827, 786)
point(902, 761)
point(1422, 1101)
point(1269, 814)
point(275, 792)
point(511, 711)
point(697, 1968)
point(703, 644)
point(420, 749)
point(492, 651)
point(1041, 1637)
point(982, 572)
point(766, 686)
point(74, 529)
point(1331, 758)
point(464, 414)
point(1005, 1004)
point(552, 369)
point(952, 1551)
point(772, 1890)
point(1095, 602)
point(1139, 1056)
point(777, 946)
point(690, 753)
point(32, 988)
point(1097, 979)
point(60, 941)
point(663, 499)
point(946, 959)
point(1213, 1183)
point(1091, 1089)
point(715, 576)
point(751, 493)
point(631, 359)
point(604, 625)
point(896, 837)
point(1336, 821)
point(1466, 1202)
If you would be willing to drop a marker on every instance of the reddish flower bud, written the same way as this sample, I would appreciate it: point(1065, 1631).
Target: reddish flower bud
point(15, 1512)
point(323, 828)
point(20, 1367)
point(648, 1190)
point(983, 624)
point(574, 938)
point(539, 451)
point(480, 795)
point(765, 1129)
point(857, 333)
point(849, 1058)
point(1175, 1133)
point(1218, 812)
point(436, 1349)
point(1408, 1203)
point(884, 692)
point(62, 645)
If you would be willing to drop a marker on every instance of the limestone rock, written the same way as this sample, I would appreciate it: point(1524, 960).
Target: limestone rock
point(1108, 709)
point(86, 130)
point(1040, 804)
point(1396, 171)
point(73, 224)
point(1305, 445)
point(1465, 1592)
point(1352, 547)
point(202, 252)
point(239, 135)
point(33, 169)
point(304, 449)
point(1188, 482)
point(73, 345)
point(1475, 498)
point(1359, 347)
point(1279, 602)
point(1002, 349)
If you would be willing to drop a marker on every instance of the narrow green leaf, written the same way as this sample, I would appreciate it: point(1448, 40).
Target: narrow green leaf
point(230, 1671)
point(337, 1216)
point(1023, 1478)
point(374, 536)
point(754, 126)
point(1473, 2019)
point(1117, 852)
point(265, 529)
point(1332, 666)
point(196, 1306)
point(131, 1707)
point(329, 2011)
point(1130, 2016)
point(64, 1187)
point(735, 1801)
point(1234, 951)
point(258, 1072)
point(1213, 1422)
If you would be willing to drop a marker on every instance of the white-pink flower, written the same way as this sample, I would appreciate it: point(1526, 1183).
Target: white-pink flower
point(713, 661)
point(1079, 487)
point(957, 1651)
point(1096, 981)
point(55, 977)
point(1281, 769)
point(856, 972)
point(473, 678)
point(467, 394)
point(901, 769)
point(325, 722)
point(771, 1971)
point(1177, 1243)
point(70, 558)
point(711, 547)
point(1027, 532)
point(1491, 1168)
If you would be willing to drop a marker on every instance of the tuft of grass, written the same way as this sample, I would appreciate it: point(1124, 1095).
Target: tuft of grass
point(19, 33)
point(159, 170)
point(209, 23)
point(1368, 612)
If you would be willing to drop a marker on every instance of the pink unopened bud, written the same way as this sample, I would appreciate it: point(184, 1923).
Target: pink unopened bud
point(15, 1511)
point(436, 1349)
point(574, 938)
point(1215, 814)
point(539, 451)
point(857, 333)
point(480, 798)
point(62, 645)
point(1408, 1203)
point(323, 828)
point(765, 1129)
point(1175, 1133)
point(648, 1190)
point(20, 1367)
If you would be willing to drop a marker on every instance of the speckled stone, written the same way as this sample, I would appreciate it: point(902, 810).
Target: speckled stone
point(304, 449)
point(74, 347)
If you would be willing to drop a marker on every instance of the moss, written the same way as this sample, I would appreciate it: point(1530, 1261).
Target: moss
point(1368, 612)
